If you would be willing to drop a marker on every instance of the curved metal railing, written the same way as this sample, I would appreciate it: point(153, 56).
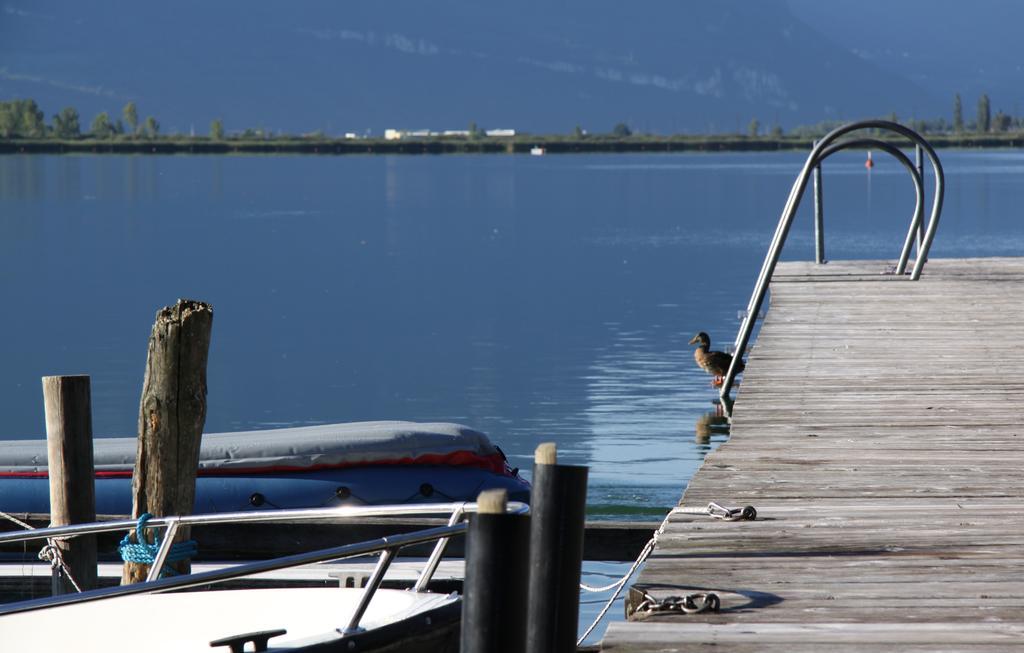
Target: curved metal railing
point(915, 219)
point(821, 150)
point(386, 546)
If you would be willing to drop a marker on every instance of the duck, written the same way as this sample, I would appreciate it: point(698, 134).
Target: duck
point(715, 363)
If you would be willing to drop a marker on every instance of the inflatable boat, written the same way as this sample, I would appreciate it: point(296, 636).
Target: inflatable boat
point(359, 463)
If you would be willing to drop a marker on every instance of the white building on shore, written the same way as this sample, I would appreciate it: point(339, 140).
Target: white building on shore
point(399, 134)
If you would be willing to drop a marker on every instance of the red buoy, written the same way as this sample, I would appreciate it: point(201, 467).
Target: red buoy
point(869, 164)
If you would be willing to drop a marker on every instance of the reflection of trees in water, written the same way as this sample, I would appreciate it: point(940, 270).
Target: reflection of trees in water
point(69, 178)
point(22, 177)
point(708, 424)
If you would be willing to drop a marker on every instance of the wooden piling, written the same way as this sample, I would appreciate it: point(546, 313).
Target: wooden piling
point(172, 413)
point(557, 514)
point(67, 404)
point(494, 608)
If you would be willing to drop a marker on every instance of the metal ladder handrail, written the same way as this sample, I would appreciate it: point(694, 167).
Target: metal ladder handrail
point(386, 546)
point(916, 218)
point(789, 212)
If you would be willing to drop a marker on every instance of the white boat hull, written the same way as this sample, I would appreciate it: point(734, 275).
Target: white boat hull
point(180, 622)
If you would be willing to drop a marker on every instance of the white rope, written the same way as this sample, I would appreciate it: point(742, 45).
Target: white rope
point(683, 510)
point(643, 556)
point(53, 554)
point(50, 553)
point(605, 588)
point(620, 584)
point(712, 509)
point(17, 521)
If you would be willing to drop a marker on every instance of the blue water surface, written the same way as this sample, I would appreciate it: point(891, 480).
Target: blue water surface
point(535, 298)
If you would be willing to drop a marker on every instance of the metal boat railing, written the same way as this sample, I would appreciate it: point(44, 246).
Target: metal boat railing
point(387, 547)
point(819, 152)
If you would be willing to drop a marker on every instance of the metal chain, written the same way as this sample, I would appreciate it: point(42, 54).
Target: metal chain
point(695, 603)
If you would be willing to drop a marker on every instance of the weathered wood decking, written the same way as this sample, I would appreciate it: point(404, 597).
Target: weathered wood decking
point(879, 432)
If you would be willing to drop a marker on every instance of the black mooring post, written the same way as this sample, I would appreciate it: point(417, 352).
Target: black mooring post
point(494, 603)
point(557, 511)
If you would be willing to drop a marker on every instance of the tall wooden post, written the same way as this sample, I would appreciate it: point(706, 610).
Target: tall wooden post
point(558, 503)
point(494, 603)
point(172, 413)
point(68, 407)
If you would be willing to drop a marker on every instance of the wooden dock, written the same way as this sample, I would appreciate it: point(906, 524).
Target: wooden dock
point(879, 432)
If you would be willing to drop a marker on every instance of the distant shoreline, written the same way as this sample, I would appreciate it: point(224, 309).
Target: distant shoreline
point(514, 145)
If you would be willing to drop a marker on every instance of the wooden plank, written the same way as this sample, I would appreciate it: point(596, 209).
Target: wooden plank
point(878, 431)
point(882, 633)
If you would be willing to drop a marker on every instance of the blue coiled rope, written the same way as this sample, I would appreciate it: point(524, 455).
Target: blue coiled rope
point(143, 552)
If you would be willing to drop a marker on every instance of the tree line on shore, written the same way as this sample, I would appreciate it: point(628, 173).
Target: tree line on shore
point(985, 122)
point(24, 119)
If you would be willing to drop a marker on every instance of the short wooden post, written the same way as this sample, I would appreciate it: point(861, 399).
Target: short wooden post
point(172, 413)
point(558, 504)
point(494, 607)
point(68, 407)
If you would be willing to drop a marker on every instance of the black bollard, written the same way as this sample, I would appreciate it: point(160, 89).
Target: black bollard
point(557, 513)
point(494, 603)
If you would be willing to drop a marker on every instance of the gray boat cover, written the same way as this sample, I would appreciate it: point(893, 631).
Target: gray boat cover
point(306, 448)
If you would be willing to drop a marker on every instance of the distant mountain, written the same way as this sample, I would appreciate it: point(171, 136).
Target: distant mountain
point(540, 65)
point(946, 46)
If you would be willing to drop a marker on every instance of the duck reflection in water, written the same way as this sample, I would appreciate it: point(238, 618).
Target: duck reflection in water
point(708, 424)
point(715, 363)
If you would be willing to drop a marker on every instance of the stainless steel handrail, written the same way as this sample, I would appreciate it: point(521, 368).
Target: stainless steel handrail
point(916, 172)
point(243, 517)
point(386, 556)
point(789, 212)
point(435, 556)
point(915, 175)
point(441, 534)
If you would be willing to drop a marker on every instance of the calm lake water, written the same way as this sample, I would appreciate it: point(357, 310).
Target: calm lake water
point(534, 298)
